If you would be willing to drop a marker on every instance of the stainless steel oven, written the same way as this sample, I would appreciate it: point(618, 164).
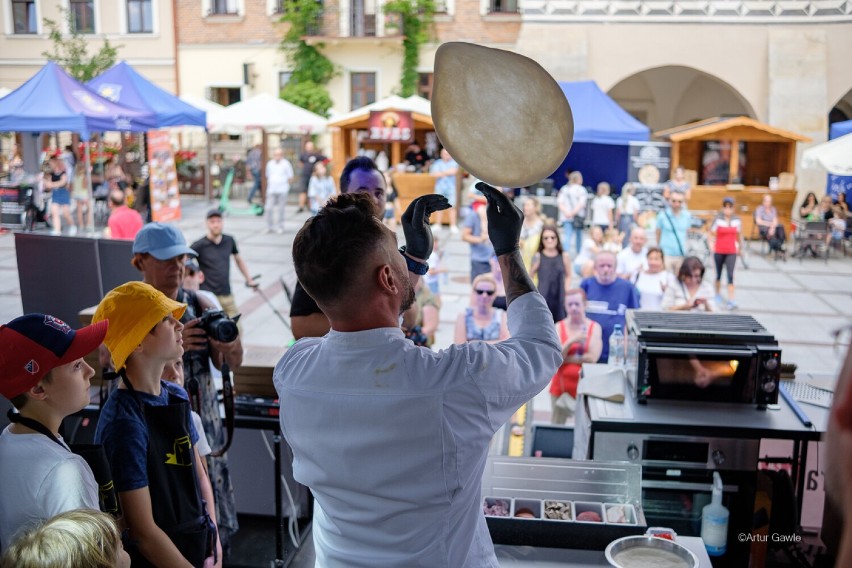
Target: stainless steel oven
point(702, 357)
point(677, 477)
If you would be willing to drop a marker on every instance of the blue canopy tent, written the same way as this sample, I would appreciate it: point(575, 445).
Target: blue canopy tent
point(839, 129)
point(123, 85)
point(602, 134)
point(52, 101)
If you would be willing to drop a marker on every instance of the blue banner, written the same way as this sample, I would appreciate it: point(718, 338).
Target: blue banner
point(838, 184)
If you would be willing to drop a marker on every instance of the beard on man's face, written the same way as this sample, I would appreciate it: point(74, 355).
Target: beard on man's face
point(408, 299)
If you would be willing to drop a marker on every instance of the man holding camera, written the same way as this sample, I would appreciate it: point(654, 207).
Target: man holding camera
point(214, 251)
point(160, 253)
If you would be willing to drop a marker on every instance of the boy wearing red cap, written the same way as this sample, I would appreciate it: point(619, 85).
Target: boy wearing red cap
point(150, 442)
point(43, 374)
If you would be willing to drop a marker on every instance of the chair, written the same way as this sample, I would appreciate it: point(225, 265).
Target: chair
point(756, 236)
point(812, 237)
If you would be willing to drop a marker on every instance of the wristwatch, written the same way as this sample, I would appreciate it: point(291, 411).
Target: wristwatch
point(418, 268)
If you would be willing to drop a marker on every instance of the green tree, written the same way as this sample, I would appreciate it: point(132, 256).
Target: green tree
point(71, 51)
point(416, 26)
point(311, 69)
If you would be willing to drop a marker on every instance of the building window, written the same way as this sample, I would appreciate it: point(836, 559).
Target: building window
point(83, 16)
point(140, 17)
point(24, 16)
point(424, 85)
point(279, 6)
point(224, 7)
point(363, 89)
point(283, 79)
point(225, 95)
point(504, 6)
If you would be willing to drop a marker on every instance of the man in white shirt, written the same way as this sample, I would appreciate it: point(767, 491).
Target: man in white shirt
point(279, 174)
point(634, 258)
point(571, 201)
point(392, 438)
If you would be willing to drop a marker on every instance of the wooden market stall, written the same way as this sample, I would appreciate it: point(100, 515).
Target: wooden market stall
point(389, 125)
point(737, 157)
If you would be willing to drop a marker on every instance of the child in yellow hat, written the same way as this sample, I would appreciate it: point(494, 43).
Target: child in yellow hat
point(148, 436)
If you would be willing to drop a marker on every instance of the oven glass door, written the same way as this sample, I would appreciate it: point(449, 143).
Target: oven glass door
point(719, 374)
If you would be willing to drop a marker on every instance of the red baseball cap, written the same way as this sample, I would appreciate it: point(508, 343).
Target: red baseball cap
point(32, 345)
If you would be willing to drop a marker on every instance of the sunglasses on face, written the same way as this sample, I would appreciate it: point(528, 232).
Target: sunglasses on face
point(481, 292)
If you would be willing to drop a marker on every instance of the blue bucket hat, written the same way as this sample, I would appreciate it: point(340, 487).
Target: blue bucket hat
point(161, 241)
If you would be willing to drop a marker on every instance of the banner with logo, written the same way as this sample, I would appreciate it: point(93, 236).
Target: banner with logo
point(648, 168)
point(838, 184)
point(390, 126)
point(165, 196)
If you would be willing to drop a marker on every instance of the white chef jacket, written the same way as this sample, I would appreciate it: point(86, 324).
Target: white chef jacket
point(392, 438)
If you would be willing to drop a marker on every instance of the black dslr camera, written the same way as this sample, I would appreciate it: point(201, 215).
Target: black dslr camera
point(217, 325)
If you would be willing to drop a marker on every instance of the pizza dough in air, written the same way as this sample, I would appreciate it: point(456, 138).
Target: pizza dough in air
point(499, 114)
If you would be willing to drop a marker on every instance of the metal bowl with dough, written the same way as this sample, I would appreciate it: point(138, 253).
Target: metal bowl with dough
point(649, 551)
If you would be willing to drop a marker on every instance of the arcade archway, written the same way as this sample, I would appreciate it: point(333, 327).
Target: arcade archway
point(669, 96)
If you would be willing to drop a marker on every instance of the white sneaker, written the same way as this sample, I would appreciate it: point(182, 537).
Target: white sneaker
point(280, 231)
point(72, 231)
point(436, 227)
point(454, 230)
point(267, 231)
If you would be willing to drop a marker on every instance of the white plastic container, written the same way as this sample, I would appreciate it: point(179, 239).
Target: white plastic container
point(714, 521)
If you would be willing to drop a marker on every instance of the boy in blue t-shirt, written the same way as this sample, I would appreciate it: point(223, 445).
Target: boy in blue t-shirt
point(148, 436)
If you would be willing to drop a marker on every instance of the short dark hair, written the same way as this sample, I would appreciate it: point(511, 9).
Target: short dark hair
point(332, 246)
point(690, 265)
point(657, 250)
point(358, 163)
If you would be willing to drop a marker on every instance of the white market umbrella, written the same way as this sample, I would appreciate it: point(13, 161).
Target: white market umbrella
point(267, 113)
point(834, 156)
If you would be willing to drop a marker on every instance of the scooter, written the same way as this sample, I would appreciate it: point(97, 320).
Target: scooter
point(225, 205)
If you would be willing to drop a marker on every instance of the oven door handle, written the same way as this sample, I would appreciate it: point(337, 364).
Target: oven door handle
point(692, 350)
point(686, 486)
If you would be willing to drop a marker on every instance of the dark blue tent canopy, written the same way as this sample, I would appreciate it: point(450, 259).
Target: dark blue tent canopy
point(602, 133)
point(53, 101)
point(123, 85)
point(839, 129)
point(598, 119)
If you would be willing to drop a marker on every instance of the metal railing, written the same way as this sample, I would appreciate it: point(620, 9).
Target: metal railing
point(696, 11)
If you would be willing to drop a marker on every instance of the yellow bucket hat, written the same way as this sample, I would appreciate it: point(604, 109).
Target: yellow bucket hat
point(133, 309)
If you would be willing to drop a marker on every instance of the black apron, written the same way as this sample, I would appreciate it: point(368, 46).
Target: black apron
point(92, 454)
point(176, 503)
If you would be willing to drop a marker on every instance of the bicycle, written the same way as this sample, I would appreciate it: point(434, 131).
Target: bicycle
point(697, 244)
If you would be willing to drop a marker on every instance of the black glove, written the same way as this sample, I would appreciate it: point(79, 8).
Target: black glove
point(415, 224)
point(504, 220)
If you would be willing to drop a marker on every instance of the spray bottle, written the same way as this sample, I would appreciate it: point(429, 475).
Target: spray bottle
point(714, 521)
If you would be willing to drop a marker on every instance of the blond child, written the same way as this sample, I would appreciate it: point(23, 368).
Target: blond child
point(80, 537)
point(613, 241)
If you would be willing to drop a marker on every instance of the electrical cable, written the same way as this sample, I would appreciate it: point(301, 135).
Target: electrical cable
point(293, 519)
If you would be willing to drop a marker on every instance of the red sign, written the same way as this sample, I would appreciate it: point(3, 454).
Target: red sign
point(390, 126)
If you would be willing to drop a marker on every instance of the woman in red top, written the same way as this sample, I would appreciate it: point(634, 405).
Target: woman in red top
point(727, 229)
point(581, 343)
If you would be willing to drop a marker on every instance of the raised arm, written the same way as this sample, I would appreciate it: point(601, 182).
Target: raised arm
point(504, 229)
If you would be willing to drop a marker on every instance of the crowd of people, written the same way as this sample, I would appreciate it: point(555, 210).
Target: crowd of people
point(570, 280)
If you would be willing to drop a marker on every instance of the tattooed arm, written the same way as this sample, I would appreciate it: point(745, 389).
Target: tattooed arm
point(515, 276)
